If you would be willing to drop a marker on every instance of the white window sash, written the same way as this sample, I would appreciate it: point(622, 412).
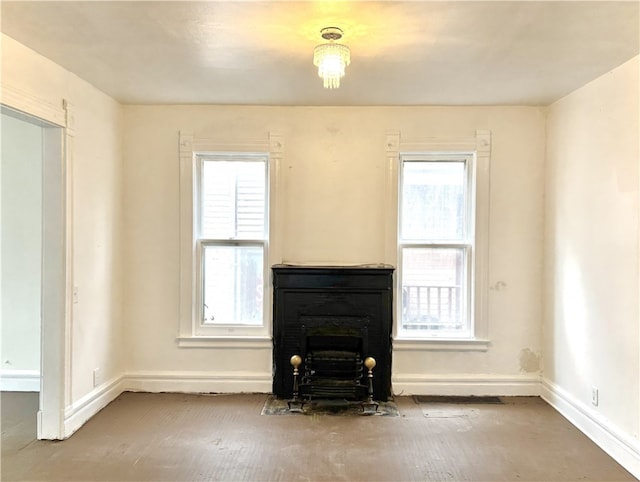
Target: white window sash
point(467, 312)
point(204, 329)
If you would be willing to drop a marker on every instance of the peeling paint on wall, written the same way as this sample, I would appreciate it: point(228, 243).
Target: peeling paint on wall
point(529, 361)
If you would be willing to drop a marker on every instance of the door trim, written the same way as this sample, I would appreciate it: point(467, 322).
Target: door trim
point(57, 281)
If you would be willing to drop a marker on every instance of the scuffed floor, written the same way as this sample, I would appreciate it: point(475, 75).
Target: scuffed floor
point(180, 437)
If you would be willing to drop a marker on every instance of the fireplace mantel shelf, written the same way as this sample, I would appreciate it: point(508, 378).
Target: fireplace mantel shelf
point(333, 266)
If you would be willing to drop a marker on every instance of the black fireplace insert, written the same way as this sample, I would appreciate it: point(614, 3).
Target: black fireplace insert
point(334, 318)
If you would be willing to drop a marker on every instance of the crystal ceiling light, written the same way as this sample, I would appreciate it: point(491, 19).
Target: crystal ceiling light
point(331, 58)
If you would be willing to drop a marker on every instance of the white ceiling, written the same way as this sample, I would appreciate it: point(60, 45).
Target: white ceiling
point(403, 53)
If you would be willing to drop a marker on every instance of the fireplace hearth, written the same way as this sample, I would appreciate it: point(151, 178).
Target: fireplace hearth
point(333, 318)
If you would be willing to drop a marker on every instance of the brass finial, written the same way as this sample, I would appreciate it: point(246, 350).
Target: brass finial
point(296, 360)
point(370, 363)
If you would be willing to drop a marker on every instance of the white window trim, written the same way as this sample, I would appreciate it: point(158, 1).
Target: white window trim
point(189, 333)
point(480, 145)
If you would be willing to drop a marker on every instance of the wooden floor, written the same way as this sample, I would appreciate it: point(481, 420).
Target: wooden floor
point(179, 437)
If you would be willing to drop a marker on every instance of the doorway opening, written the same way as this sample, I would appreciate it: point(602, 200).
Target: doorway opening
point(33, 267)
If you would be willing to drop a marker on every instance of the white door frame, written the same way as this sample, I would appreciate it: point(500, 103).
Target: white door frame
point(57, 282)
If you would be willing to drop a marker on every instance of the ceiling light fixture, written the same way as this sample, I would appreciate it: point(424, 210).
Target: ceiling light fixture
point(331, 58)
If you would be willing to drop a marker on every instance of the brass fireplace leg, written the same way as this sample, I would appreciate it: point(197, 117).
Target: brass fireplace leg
point(370, 407)
point(295, 405)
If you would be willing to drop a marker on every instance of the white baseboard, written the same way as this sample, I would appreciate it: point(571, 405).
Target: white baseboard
point(198, 382)
point(623, 448)
point(19, 380)
point(78, 413)
point(465, 385)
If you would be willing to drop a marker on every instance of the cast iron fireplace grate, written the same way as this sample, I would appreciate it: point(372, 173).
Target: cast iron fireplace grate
point(333, 374)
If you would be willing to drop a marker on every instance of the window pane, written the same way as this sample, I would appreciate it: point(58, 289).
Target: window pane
point(233, 199)
point(433, 289)
point(433, 200)
point(233, 285)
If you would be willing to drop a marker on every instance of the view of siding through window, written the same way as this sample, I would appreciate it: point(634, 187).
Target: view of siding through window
point(434, 245)
point(232, 235)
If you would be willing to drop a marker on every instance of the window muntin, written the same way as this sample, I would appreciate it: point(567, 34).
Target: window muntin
point(231, 240)
point(436, 246)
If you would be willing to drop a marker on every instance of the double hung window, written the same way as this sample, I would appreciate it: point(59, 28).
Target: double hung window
point(231, 233)
point(436, 242)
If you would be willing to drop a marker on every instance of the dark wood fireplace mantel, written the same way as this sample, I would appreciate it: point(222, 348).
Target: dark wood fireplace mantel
point(357, 297)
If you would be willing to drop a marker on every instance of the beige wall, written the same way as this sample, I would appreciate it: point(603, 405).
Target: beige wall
point(97, 219)
point(333, 193)
point(591, 328)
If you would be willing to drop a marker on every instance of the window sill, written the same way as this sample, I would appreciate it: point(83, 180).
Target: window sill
point(252, 342)
point(450, 344)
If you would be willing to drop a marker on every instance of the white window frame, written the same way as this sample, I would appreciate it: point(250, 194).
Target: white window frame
point(202, 243)
point(192, 332)
point(479, 147)
point(466, 243)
